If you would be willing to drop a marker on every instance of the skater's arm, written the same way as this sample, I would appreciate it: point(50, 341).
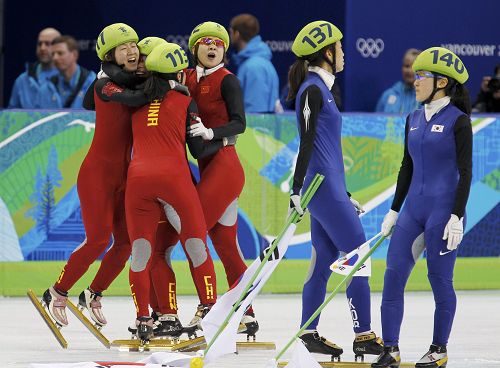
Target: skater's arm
point(197, 146)
point(463, 144)
point(310, 102)
point(88, 99)
point(233, 97)
point(120, 76)
point(404, 176)
point(109, 91)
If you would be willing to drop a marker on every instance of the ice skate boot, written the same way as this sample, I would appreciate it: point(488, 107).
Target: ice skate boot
point(144, 329)
point(318, 344)
point(195, 323)
point(389, 358)
point(434, 358)
point(168, 326)
point(248, 325)
point(56, 305)
point(367, 344)
point(91, 301)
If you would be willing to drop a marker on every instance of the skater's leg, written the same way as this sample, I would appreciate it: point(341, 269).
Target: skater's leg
point(405, 247)
point(324, 253)
point(117, 255)
point(162, 274)
point(440, 274)
point(143, 214)
point(225, 239)
point(97, 215)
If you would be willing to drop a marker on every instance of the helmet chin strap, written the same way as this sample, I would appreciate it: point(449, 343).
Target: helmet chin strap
point(435, 89)
point(331, 63)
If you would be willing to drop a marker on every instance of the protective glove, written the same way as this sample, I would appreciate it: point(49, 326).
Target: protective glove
point(199, 129)
point(229, 141)
point(388, 223)
point(295, 204)
point(454, 232)
point(359, 208)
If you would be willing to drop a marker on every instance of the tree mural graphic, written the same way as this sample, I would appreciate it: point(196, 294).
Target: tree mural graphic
point(43, 196)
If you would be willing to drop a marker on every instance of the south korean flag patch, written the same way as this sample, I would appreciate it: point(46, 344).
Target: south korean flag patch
point(437, 128)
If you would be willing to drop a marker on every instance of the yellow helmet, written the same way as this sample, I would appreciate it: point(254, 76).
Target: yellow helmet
point(167, 58)
point(146, 45)
point(314, 36)
point(112, 36)
point(209, 29)
point(442, 61)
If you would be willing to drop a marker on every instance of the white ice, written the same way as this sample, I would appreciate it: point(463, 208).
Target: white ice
point(474, 341)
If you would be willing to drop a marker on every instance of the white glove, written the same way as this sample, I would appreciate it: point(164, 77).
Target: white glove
point(359, 208)
point(388, 223)
point(454, 232)
point(101, 75)
point(199, 129)
point(295, 204)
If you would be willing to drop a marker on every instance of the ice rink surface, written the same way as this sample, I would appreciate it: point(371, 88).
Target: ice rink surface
point(474, 341)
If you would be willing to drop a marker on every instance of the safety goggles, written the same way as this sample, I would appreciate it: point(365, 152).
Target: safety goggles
point(209, 41)
point(421, 74)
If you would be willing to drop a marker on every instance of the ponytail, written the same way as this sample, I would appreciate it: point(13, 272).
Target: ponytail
point(296, 75)
point(459, 96)
point(157, 85)
point(298, 70)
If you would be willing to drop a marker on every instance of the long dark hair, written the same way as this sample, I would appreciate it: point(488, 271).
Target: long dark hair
point(157, 85)
point(298, 70)
point(459, 95)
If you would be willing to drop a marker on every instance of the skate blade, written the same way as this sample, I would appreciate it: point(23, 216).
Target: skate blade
point(282, 364)
point(137, 345)
point(89, 324)
point(48, 320)
point(200, 343)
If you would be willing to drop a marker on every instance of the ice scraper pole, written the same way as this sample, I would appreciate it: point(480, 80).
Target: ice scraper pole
point(330, 297)
point(292, 219)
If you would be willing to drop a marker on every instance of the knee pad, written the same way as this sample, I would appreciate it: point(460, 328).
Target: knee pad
point(196, 251)
point(230, 215)
point(141, 253)
point(172, 215)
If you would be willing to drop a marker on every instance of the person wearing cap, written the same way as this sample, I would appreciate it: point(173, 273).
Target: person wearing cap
point(27, 85)
point(159, 179)
point(335, 226)
point(101, 185)
point(434, 182)
point(219, 98)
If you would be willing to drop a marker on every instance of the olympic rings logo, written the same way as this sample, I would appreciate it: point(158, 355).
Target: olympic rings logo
point(370, 47)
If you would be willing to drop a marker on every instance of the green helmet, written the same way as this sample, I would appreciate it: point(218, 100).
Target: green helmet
point(209, 29)
point(167, 58)
point(146, 45)
point(442, 61)
point(112, 36)
point(314, 36)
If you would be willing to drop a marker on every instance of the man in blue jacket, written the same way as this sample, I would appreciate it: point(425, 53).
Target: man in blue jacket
point(257, 75)
point(27, 84)
point(66, 89)
point(400, 98)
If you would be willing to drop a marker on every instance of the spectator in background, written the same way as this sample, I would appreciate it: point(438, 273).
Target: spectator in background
point(488, 99)
point(400, 98)
point(257, 75)
point(68, 87)
point(27, 85)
